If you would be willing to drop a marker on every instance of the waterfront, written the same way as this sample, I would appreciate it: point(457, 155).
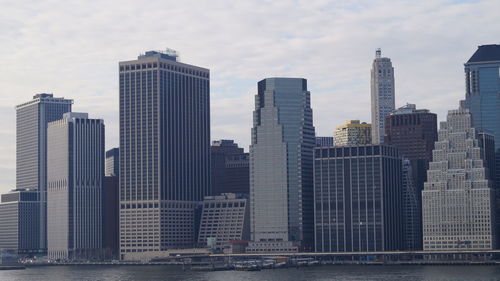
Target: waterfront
point(322, 273)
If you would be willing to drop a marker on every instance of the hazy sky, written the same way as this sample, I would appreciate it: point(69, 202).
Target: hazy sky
point(72, 49)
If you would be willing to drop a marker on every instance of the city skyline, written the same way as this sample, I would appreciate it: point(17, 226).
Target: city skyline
point(315, 48)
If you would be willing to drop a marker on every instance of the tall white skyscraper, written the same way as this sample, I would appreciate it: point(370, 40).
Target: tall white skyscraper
point(75, 176)
point(382, 94)
point(457, 201)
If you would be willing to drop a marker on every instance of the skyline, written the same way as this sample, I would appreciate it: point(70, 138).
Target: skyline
point(332, 46)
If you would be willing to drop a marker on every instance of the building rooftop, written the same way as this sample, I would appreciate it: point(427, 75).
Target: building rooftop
point(72, 115)
point(354, 124)
point(408, 109)
point(486, 53)
point(224, 143)
point(168, 54)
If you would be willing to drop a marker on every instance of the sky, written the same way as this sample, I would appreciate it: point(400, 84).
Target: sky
point(72, 49)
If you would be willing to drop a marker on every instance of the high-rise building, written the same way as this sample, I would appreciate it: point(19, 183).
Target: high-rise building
point(382, 94)
point(358, 199)
point(482, 87)
point(32, 118)
point(111, 217)
point(324, 141)
point(229, 168)
point(75, 179)
point(164, 152)
point(411, 209)
point(413, 131)
point(458, 201)
point(112, 163)
point(111, 206)
point(281, 163)
point(20, 222)
point(224, 218)
point(353, 132)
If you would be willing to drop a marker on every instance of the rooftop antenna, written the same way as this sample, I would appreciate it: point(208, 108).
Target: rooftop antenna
point(378, 53)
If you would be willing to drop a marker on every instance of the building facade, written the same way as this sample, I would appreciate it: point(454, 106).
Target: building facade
point(229, 167)
point(281, 162)
point(32, 118)
point(412, 209)
point(75, 179)
point(112, 163)
point(358, 199)
point(111, 217)
point(413, 131)
point(224, 218)
point(164, 152)
point(324, 141)
point(458, 201)
point(353, 133)
point(482, 87)
point(20, 222)
point(382, 94)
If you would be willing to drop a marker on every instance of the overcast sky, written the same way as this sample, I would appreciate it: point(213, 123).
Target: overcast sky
point(73, 50)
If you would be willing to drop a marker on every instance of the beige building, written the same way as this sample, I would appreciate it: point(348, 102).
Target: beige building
point(457, 200)
point(353, 132)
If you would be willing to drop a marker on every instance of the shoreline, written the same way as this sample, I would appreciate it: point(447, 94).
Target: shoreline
point(189, 265)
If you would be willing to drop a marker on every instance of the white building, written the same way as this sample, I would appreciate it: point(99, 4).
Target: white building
point(457, 199)
point(75, 181)
point(382, 95)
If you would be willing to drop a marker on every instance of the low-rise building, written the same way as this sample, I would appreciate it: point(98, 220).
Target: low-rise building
point(20, 222)
point(353, 132)
point(224, 218)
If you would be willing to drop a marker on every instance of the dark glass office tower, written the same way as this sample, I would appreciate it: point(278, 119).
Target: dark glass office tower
point(358, 199)
point(482, 87)
point(413, 131)
point(482, 90)
point(281, 167)
point(32, 118)
point(164, 152)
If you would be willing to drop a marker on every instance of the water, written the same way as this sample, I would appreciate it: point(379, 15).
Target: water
point(322, 273)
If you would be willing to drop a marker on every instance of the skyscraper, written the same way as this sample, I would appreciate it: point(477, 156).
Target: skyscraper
point(32, 118)
point(357, 202)
point(112, 163)
point(482, 87)
point(458, 201)
point(75, 179)
point(229, 167)
point(281, 163)
point(382, 94)
point(164, 152)
point(413, 131)
point(353, 132)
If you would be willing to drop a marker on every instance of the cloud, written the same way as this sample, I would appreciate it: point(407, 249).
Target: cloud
point(73, 48)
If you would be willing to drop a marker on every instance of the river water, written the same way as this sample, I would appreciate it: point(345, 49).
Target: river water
point(323, 273)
